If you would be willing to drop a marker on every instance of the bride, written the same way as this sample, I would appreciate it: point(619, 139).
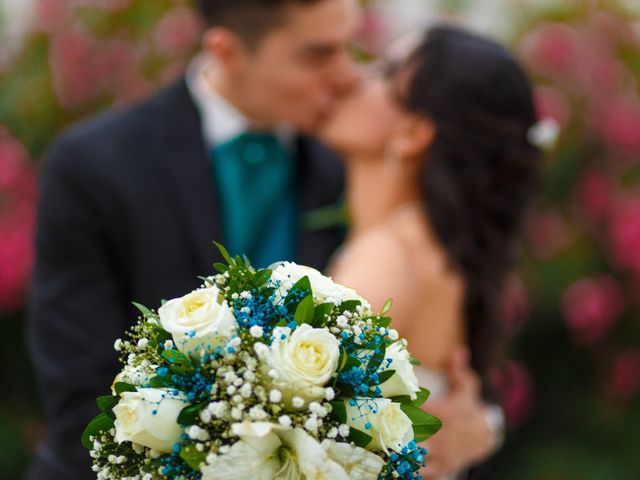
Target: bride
point(440, 172)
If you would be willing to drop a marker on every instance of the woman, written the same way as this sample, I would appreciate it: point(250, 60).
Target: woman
point(440, 172)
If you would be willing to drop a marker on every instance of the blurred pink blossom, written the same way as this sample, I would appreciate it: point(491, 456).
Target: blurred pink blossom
point(596, 70)
point(111, 5)
point(624, 380)
point(624, 233)
point(514, 306)
point(17, 212)
point(52, 15)
point(516, 393)
point(594, 195)
point(547, 233)
point(552, 48)
point(551, 103)
point(177, 31)
point(618, 121)
point(70, 56)
point(591, 307)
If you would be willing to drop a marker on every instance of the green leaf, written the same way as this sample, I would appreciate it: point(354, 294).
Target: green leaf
point(358, 437)
point(189, 414)
point(339, 410)
point(304, 311)
point(387, 306)
point(106, 403)
point(385, 375)
point(349, 305)
point(351, 362)
point(121, 387)
point(424, 432)
point(220, 267)
point(224, 253)
point(178, 361)
point(320, 314)
point(383, 322)
point(262, 276)
point(192, 456)
point(99, 424)
point(414, 361)
point(302, 285)
point(422, 396)
point(159, 381)
point(146, 313)
point(420, 417)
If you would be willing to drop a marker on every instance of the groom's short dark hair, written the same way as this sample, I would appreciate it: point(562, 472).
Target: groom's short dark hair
point(250, 19)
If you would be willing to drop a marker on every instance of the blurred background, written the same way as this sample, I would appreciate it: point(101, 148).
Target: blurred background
point(571, 385)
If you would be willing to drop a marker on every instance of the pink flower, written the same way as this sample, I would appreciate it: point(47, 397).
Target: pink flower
point(70, 58)
point(514, 307)
point(591, 307)
point(110, 5)
point(17, 214)
point(619, 124)
point(52, 15)
point(514, 387)
point(624, 381)
point(551, 103)
point(16, 259)
point(552, 48)
point(624, 233)
point(177, 31)
point(593, 194)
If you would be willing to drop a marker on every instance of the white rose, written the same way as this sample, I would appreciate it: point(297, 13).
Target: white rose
point(199, 320)
point(404, 381)
point(266, 451)
point(359, 463)
point(325, 290)
point(389, 427)
point(149, 417)
point(303, 362)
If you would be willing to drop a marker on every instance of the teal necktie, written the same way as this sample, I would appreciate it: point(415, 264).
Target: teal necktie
point(254, 175)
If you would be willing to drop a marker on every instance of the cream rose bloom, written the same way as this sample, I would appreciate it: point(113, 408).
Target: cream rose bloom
point(404, 381)
point(199, 320)
point(266, 451)
point(325, 290)
point(136, 421)
point(303, 362)
point(359, 463)
point(389, 427)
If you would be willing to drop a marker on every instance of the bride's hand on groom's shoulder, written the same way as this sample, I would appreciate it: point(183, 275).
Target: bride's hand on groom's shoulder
point(465, 438)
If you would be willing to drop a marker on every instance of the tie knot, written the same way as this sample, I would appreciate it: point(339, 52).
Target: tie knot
point(258, 147)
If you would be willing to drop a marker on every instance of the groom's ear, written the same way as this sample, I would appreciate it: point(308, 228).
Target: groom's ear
point(413, 137)
point(226, 46)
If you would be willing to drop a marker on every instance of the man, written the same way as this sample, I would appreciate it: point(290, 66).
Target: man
point(131, 200)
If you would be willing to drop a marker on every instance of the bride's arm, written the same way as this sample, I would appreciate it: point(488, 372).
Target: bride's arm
point(426, 306)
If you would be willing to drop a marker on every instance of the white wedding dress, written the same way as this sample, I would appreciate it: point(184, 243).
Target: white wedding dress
point(436, 382)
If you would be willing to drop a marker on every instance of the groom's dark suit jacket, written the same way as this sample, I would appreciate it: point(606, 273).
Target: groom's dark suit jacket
point(128, 212)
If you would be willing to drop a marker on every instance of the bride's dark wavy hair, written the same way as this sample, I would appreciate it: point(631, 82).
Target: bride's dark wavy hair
point(481, 171)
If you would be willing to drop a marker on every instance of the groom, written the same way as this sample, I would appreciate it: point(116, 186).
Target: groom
point(131, 200)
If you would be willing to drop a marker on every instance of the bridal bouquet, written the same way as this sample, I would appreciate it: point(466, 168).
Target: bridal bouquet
point(270, 374)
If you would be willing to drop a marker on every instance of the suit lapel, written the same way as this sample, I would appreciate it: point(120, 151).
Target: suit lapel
point(189, 178)
point(320, 181)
